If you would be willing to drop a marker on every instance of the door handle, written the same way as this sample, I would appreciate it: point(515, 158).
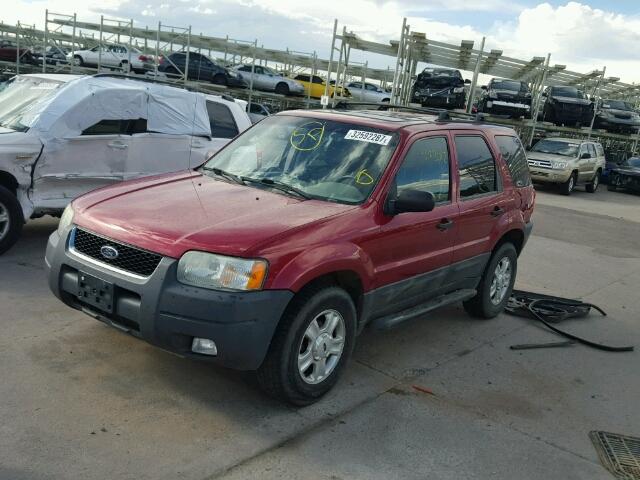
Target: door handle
point(119, 146)
point(445, 224)
point(497, 211)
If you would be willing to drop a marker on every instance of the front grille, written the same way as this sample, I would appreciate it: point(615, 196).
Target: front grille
point(540, 163)
point(129, 259)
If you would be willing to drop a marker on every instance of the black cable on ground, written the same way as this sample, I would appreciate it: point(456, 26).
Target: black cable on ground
point(548, 309)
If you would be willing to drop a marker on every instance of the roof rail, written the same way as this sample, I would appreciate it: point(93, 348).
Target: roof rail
point(442, 114)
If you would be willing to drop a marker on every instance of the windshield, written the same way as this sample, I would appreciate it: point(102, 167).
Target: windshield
point(634, 162)
point(440, 78)
point(617, 105)
point(569, 92)
point(326, 160)
point(507, 85)
point(557, 147)
point(19, 94)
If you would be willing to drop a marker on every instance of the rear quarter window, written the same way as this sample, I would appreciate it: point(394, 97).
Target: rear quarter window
point(223, 125)
point(515, 158)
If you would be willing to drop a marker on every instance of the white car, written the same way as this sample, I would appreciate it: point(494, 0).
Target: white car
point(368, 93)
point(269, 80)
point(113, 56)
point(63, 135)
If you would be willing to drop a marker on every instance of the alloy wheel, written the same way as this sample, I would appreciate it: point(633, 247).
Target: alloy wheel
point(501, 281)
point(321, 347)
point(5, 222)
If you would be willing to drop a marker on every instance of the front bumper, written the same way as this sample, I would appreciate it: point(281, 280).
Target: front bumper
point(500, 107)
point(549, 175)
point(237, 82)
point(446, 101)
point(616, 124)
point(168, 314)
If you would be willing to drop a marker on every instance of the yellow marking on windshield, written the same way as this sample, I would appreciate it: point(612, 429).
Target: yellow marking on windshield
point(307, 136)
point(363, 177)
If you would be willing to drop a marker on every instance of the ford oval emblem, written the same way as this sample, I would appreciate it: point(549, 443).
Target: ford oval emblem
point(109, 252)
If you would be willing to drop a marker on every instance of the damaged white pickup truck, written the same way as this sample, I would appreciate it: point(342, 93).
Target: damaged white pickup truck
point(63, 135)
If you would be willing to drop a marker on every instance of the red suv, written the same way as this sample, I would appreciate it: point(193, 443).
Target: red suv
point(274, 254)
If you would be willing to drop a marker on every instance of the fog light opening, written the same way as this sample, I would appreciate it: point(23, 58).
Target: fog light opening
point(204, 346)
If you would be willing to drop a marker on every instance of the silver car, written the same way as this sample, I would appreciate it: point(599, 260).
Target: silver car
point(370, 92)
point(269, 80)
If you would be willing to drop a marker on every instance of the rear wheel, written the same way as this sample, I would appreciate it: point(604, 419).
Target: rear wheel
point(567, 187)
point(312, 343)
point(11, 219)
point(78, 61)
point(496, 284)
point(593, 186)
point(282, 88)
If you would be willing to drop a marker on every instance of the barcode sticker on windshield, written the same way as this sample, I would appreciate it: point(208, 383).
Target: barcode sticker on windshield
point(370, 137)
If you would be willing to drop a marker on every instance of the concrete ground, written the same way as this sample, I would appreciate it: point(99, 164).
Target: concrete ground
point(441, 397)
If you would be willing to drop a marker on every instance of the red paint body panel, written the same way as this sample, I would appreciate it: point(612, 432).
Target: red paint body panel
point(173, 213)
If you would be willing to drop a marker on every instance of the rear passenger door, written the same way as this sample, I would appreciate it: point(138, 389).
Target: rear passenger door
point(482, 202)
point(416, 248)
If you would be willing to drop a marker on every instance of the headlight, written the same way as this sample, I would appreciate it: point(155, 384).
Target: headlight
point(66, 219)
point(208, 270)
point(458, 90)
point(558, 165)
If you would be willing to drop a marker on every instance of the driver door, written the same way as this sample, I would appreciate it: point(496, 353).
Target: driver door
point(584, 164)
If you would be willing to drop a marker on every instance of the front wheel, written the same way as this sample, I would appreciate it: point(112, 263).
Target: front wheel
point(312, 343)
point(11, 219)
point(567, 187)
point(496, 284)
point(282, 88)
point(593, 186)
point(78, 61)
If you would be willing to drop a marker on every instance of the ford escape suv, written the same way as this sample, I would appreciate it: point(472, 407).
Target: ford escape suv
point(274, 254)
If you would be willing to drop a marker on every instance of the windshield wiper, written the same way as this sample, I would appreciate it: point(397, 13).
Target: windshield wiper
point(278, 185)
point(225, 174)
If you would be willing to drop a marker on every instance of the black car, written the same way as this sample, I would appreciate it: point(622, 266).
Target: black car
point(626, 175)
point(617, 116)
point(53, 55)
point(506, 97)
point(201, 68)
point(566, 106)
point(440, 87)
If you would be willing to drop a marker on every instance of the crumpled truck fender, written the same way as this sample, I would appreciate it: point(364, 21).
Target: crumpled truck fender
point(18, 154)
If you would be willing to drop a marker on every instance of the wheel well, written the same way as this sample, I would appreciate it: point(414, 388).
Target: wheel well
point(9, 181)
point(345, 279)
point(516, 237)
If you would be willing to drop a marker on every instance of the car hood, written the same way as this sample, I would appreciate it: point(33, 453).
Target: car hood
point(631, 171)
point(171, 214)
point(548, 156)
point(571, 100)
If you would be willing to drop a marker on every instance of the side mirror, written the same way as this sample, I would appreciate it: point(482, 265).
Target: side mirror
point(412, 201)
point(585, 156)
point(484, 87)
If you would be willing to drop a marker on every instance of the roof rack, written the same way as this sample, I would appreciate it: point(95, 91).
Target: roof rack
point(442, 114)
point(224, 96)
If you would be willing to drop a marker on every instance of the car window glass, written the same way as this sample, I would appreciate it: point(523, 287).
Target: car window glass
point(105, 127)
point(515, 158)
point(136, 126)
point(583, 149)
point(426, 168)
point(304, 78)
point(317, 79)
point(592, 150)
point(222, 122)
point(476, 166)
point(600, 150)
point(355, 85)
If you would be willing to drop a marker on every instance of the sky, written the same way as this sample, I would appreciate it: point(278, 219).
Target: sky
point(583, 35)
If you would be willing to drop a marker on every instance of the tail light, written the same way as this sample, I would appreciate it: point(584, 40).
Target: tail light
point(143, 58)
point(160, 59)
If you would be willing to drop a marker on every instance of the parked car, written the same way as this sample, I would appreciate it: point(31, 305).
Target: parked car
point(567, 162)
point(625, 175)
point(505, 97)
point(617, 116)
point(316, 86)
point(368, 92)
point(53, 55)
point(113, 56)
point(63, 135)
point(9, 52)
point(277, 252)
point(257, 112)
point(440, 87)
point(201, 68)
point(565, 106)
point(269, 80)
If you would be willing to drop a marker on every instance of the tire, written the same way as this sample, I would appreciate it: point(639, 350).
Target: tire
point(567, 187)
point(484, 304)
point(78, 61)
point(282, 88)
point(124, 66)
point(593, 186)
point(220, 79)
point(280, 375)
point(386, 100)
point(612, 184)
point(11, 219)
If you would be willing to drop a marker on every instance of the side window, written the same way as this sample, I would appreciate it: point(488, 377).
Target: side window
point(476, 166)
point(583, 149)
point(317, 79)
point(302, 78)
point(222, 123)
point(600, 150)
point(592, 150)
point(371, 87)
point(426, 168)
point(355, 85)
point(515, 158)
point(117, 127)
